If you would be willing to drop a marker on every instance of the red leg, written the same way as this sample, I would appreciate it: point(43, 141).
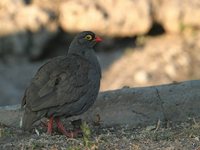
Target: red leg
point(50, 125)
point(63, 130)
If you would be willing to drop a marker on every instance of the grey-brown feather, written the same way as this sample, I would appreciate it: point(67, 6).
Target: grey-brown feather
point(64, 86)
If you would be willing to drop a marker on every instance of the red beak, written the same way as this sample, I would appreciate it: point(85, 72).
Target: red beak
point(98, 39)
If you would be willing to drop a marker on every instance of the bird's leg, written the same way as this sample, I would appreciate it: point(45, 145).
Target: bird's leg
point(62, 129)
point(50, 125)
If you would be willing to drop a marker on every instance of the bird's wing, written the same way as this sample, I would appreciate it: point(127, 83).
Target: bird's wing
point(62, 80)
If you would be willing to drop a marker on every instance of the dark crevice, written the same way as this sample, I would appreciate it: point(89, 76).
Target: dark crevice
point(157, 29)
point(27, 2)
point(102, 10)
point(140, 113)
point(161, 105)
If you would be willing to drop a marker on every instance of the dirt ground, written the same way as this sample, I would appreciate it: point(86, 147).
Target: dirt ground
point(183, 136)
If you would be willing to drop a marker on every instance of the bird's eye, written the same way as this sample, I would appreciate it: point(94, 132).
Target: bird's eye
point(88, 37)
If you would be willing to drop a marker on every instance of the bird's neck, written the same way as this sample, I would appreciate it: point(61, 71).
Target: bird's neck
point(85, 52)
point(89, 55)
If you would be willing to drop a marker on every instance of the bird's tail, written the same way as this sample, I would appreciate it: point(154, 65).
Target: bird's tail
point(28, 119)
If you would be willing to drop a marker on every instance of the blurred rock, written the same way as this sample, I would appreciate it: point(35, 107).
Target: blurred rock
point(176, 15)
point(113, 18)
point(170, 70)
point(52, 6)
point(28, 26)
point(141, 76)
point(31, 18)
point(14, 78)
point(8, 8)
point(13, 43)
point(162, 60)
point(24, 29)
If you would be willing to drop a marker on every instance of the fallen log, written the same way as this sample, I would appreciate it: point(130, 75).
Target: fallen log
point(134, 106)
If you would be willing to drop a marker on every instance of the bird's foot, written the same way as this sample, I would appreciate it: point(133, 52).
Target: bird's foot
point(70, 134)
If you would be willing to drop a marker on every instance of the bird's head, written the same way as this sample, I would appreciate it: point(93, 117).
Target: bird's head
point(87, 39)
point(84, 40)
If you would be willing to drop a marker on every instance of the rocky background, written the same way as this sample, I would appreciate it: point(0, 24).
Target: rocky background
point(146, 42)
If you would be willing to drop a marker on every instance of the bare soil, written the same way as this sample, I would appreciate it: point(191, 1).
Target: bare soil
point(183, 136)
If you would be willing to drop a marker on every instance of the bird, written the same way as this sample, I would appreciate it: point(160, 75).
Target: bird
point(64, 86)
